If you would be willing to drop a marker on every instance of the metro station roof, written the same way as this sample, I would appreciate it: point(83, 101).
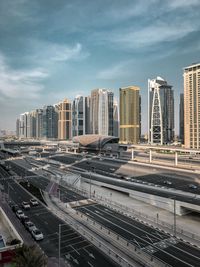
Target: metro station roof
point(95, 140)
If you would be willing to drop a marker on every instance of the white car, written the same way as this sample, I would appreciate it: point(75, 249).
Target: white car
point(30, 226)
point(34, 202)
point(37, 234)
point(19, 214)
point(25, 205)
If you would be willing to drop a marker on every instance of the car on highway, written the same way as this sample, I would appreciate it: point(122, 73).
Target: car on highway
point(112, 169)
point(24, 219)
point(26, 205)
point(34, 202)
point(167, 182)
point(30, 226)
point(37, 234)
point(11, 204)
point(19, 214)
point(192, 186)
point(15, 207)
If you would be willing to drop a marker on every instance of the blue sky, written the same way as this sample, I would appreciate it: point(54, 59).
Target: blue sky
point(54, 49)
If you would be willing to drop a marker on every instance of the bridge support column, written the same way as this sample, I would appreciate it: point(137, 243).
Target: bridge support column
point(66, 149)
point(132, 154)
point(176, 158)
point(150, 155)
point(74, 151)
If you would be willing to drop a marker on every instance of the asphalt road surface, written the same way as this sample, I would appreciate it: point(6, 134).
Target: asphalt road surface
point(136, 183)
point(77, 250)
point(161, 245)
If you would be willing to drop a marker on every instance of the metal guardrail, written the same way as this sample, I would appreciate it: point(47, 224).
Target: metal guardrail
point(105, 201)
point(146, 217)
point(141, 256)
point(91, 237)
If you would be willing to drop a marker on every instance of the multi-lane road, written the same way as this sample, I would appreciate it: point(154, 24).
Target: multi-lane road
point(151, 183)
point(76, 249)
point(159, 244)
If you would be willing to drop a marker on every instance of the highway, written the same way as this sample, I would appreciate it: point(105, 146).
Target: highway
point(183, 159)
point(151, 240)
point(164, 247)
point(74, 247)
point(136, 183)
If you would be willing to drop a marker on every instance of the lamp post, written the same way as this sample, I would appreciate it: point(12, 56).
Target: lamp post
point(174, 212)
point(174, 216)
point(59, 243)
point(90, 171)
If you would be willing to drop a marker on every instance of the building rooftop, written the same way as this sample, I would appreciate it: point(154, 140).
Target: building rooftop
point(193, 65)
point(95, 140)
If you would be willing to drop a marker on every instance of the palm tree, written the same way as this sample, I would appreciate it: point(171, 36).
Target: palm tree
point(29, 256)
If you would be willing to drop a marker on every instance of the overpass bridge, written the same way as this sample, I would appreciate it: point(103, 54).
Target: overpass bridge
point(177, 151)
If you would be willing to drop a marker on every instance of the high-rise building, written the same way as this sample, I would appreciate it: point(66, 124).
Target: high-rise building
point(17, 127)
point(115, 119)
point(78, 116)
point(39, 123)
point(192, 106)
point(160, 112)
point(129, 114)
point(181, 118)
point(64, 120)
point(87, 115)
point(31, 124)
point(23, 125)
point(49, 122)
point(101, 112)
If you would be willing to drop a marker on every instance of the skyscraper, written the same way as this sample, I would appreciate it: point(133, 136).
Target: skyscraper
point(49, 122)
point(115, 119)
point(78, 116)
point(64, 120)
point(31, 124)
point(181, 118)
point(23, 125)
point(192, 106)
point(39, 123)
point(129, 114)
point(160, 112)
point(102, 112)
point(87, 114)
point(17, 127)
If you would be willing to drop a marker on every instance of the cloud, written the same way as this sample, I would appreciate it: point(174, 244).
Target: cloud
point(147, 36)
point(183, 3)
point(118, 71)
point(65, 53)
point(47, 52)
point(20, 84)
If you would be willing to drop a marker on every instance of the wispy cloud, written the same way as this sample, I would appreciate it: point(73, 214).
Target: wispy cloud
point(49, 52)
point(159, 32)
point(117, 71)
point(20, 84)
point(183, 3)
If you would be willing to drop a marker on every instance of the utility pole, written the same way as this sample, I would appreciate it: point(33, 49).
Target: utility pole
point(59, 244)
point(174, 217)
point(90, 183)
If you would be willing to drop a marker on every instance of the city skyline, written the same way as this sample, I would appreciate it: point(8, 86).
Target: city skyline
point(92, 46)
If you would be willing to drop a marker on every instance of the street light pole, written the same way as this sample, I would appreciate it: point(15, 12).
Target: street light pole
point(8, 192)
point(174, 217)
point(90, 183)
point(59, 244)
